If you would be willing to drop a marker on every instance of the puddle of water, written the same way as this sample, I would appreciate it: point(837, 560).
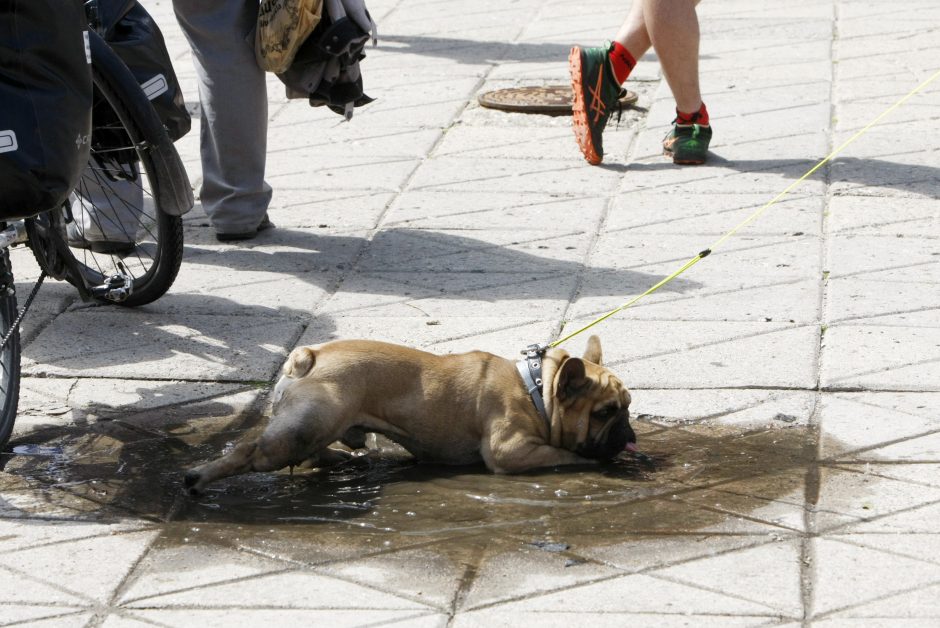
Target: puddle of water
point(36, 450)
point(701, 476)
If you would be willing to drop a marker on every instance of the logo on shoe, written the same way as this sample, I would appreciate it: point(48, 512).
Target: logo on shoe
point(597, 103)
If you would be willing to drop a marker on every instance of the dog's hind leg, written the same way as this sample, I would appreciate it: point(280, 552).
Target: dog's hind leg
point(289, 439)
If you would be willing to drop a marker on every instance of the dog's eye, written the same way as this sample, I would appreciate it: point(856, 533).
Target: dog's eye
point(605, 413)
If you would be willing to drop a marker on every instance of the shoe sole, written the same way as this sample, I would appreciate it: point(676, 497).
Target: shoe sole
point(245, 235)
point(579, 117)
point(682, 162)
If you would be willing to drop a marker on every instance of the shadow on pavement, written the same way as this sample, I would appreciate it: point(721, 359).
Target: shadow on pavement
point(866, 172)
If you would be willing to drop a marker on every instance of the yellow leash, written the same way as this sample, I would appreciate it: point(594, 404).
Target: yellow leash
point(695, 260)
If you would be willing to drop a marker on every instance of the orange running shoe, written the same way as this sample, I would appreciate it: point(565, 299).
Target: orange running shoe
point(595, 92)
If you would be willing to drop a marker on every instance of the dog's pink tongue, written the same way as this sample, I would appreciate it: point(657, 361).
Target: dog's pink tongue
point(631, 447)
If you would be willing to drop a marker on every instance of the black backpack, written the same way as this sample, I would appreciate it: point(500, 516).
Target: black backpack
point(45, 103)
point(137, 40)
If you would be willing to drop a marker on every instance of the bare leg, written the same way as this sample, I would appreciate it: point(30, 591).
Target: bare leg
point(671, 27)
point(633, 34)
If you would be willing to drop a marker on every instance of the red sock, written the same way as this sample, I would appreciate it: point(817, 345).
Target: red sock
point(622, 62)
point(699, 117)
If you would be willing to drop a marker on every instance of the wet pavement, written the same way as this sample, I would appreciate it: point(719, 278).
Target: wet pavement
point(786, 389)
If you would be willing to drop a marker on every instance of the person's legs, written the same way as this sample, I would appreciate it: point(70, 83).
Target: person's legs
point(671, 28)
point(234, 109)
point(633, 34)
point(109, 214)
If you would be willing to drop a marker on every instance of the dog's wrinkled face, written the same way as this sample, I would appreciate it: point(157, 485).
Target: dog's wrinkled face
point(590, 406)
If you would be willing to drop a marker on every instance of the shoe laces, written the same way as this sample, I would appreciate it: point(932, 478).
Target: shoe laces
point(620, 95)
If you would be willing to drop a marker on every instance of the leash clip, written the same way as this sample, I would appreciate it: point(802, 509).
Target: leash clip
point(537, 349)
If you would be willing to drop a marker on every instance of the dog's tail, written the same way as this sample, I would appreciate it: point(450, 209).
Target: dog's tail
point(299, 362)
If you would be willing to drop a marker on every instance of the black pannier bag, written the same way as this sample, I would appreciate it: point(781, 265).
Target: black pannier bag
point(137, 40)
point(45, 103)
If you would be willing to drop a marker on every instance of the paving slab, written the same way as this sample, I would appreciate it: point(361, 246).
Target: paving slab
point(46, 616)
point(552, 619)
point(861, 499)
point(138, 343)
point(305, 617)
point(846, 588)
point(519, 212)
point(724, 406)
point(675, 212)
point(438, 295)
point(785, 389)
point(874, 357)
point(865, 215)
point(464, 174)
point(880, 426)
point(499, 335)
point(689, 354)
point(83, 577)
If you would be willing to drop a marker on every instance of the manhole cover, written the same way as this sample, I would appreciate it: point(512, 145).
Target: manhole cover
point(550, 99)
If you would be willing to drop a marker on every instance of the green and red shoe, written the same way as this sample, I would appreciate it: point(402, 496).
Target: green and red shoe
point(595, 92)
point(687, 144)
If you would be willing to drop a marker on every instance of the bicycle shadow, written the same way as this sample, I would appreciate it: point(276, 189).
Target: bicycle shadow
point(236, 329)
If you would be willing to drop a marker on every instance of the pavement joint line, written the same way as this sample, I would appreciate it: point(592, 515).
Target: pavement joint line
point(600, 223)
point(377, 226)
point(26, 575)
point(853, 539)
point(154, 527)
point(785, 327)
point(130, 575)
point(871, 404)
point(78, 610)
point(886, 369)
point(246, 384)
point(813, 477)
point(847, 525)
point(879, 598)
point(886, 443)
point(772, 610)
point(206, 585)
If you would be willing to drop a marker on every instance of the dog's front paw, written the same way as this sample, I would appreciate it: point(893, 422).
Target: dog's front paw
point(192, 482)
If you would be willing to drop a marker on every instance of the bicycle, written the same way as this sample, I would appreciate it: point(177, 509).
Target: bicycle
point(134, 186)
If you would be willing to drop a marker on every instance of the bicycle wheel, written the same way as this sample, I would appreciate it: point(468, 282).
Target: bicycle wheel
point(10, 353)
point(115, 220)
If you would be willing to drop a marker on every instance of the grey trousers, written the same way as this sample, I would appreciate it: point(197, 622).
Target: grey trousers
point(234, 110)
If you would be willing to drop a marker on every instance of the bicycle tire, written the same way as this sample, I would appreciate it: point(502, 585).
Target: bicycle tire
point(10, 354)
point(116, 219)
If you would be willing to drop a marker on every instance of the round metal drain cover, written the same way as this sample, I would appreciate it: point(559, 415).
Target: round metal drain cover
point(549, 99)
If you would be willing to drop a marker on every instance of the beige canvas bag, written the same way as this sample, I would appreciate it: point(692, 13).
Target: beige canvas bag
point(283, 26)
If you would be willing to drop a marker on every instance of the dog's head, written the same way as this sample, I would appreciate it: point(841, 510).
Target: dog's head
point(587, 404)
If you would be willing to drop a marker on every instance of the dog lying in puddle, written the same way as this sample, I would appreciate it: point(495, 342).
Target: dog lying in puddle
point(452, 409)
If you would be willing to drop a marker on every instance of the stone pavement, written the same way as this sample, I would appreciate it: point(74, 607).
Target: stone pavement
point(788, 386)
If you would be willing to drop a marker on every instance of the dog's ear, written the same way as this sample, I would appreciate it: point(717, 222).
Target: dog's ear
point(570, 379)
point(593, 351)
point(299, 362)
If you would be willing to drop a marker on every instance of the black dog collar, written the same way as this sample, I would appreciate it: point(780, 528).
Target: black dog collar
point(530, 368)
